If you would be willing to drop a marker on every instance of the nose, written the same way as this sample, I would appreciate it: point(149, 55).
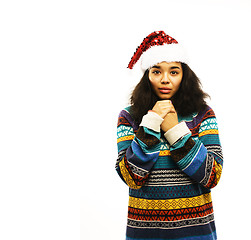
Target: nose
point(165, 79)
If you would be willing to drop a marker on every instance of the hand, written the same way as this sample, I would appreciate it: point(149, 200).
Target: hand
point(164, 107)
point(170, 120)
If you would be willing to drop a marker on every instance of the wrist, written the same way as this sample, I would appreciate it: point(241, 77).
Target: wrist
point(165, 128)
point(152, 121)
point(177, 132)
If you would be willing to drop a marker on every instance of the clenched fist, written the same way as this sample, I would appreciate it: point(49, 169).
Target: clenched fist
point(162, 108)
point(170, 120)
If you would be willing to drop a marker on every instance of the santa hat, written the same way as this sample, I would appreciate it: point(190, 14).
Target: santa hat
point(158, 47)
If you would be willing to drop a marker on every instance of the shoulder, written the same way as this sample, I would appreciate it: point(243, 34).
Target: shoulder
point(198, 117)
point(203, 117)
point(206, 113)
point(125, 113)
point(126, 118)
point(206, 121)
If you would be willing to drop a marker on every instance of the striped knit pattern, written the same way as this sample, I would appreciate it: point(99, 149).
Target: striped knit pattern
point(170, 196)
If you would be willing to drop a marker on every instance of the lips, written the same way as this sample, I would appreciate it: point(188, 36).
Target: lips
point(165, 90)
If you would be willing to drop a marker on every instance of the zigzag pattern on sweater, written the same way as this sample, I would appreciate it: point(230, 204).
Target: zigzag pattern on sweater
point(170, 199)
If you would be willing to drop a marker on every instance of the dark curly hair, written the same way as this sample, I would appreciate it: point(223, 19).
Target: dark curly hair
point(189, 99)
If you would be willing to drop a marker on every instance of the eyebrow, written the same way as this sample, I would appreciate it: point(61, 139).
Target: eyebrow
point(158, 67)
point(175, 67)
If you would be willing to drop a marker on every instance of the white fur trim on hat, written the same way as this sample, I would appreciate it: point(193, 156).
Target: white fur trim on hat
point(163, 53)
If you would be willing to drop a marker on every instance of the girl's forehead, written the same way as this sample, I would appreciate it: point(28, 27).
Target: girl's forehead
point(167, 65)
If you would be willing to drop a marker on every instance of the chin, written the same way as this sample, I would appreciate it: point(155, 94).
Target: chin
point(165, 97)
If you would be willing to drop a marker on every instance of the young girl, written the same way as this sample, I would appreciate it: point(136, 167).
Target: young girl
point(169, 153)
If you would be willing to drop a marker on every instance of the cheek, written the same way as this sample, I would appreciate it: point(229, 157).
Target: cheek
point(153, 82)
point(177, 83)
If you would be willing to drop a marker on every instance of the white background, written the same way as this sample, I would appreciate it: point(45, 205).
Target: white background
point(63, 82)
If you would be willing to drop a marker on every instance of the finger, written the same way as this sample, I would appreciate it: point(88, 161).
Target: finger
point(171, 109)
point(168, 107)
point(165, 106)
point(166, 101)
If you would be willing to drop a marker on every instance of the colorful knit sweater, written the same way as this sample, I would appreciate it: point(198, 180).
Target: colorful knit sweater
point(169, 175)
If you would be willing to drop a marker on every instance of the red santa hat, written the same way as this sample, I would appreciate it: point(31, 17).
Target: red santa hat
point(158, 47)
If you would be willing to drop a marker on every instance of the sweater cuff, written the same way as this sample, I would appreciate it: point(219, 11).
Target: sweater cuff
point(152, 121)
point(177, 132)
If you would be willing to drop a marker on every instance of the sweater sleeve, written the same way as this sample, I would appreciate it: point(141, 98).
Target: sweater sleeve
point(201, 158)
point(137, 150)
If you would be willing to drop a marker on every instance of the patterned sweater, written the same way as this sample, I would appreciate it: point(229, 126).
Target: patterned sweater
point(169, 175)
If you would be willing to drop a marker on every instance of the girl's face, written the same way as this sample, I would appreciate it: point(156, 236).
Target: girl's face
point(165, 79)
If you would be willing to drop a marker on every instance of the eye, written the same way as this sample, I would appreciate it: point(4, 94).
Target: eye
point(174, 72)
point(156, 72)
